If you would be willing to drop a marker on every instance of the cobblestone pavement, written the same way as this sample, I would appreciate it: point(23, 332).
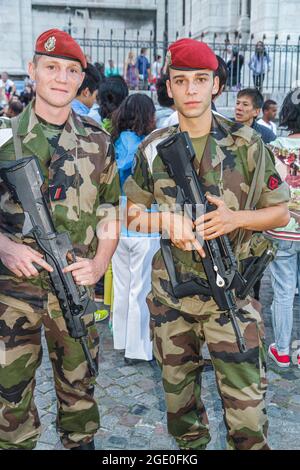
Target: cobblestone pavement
point(132, 404)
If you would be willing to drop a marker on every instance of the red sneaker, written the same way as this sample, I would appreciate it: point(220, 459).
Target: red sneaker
point(281, 361)
point(298, 361)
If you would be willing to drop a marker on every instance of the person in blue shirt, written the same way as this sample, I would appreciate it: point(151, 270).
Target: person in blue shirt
point(248, 106)
point(131, 123)
point(87, 93)
point(143, 68)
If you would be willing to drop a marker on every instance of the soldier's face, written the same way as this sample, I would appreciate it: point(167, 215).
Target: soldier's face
point(192, 91)
point(57, 80)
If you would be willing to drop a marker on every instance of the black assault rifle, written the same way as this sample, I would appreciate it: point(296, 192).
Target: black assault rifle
point(224, 281)
point(24, 179)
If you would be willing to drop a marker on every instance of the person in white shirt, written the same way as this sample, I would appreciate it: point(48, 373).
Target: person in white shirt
point(269, 110)
point(156, 68)
point(7, 88)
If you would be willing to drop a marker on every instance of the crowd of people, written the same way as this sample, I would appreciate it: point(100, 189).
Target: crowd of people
point(131, 121)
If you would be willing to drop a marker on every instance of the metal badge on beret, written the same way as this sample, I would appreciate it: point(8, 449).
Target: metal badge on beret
point(50, 44)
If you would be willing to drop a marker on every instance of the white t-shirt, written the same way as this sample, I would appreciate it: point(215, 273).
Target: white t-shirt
point(270, 126)
point(3, 88)
point(155, 69)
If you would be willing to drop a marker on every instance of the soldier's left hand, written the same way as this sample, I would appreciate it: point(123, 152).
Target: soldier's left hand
point(218, 222)
point(86, 272)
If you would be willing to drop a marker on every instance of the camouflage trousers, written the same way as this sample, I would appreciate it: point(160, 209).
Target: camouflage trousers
point(20, 356)
point(178, 338)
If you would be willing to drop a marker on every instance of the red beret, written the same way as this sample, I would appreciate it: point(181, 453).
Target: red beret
point(56, 43)
point(189, 54)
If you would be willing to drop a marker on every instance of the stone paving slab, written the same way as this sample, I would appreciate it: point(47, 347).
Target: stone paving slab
point(132, 406)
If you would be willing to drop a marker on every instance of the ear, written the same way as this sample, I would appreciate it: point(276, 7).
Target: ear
point(216, 86)
point(170, 94)
point(81, 79)
point(86, 92)
point(256, 112)
point(31, 70)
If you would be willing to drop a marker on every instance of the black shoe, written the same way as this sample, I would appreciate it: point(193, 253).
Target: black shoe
point(88, 446)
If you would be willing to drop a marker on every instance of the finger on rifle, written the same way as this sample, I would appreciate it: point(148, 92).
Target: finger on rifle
point(214, 199)
point(16, 271)
point(210, 231)
point(212, 236)
point(35, 252)
point(84, 281)
point(44, 264)
point(33, 271)
point(197, 246)
point(25, 270)
point(74, 266)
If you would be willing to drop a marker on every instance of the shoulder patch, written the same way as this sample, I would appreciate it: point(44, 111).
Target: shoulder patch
point(274, 181)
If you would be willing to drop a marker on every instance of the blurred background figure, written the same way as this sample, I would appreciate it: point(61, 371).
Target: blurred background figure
point(7, 88)
point(143, 68)
point(27, 94)
point(101, 70)
point(165, 107)
point(269, 110)
point(234, 66)
point(222, 73)
point(130, 72)
point(112, 92)
point(259, 64)
point(131, 123)
point(248, 106)
point(156, 69)
point(14, 108)
point(111, 70)
point(88, 92)
point(285, 269)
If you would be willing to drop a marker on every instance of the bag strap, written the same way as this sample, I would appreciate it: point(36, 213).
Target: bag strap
point(16, 139)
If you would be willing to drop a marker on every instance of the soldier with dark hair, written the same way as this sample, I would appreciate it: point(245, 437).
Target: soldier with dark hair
point(227, 155)
point(76, 158)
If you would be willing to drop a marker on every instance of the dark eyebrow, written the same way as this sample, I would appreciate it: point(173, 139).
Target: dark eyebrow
point(200, 74)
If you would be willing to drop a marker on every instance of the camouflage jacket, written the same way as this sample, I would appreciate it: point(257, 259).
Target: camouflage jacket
point(237, 167)
point(82, 166)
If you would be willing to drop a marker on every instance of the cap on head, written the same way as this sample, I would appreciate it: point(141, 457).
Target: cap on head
point(57, 43)
point(189, 54)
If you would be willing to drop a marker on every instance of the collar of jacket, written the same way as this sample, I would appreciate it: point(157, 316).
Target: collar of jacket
point(34, 138)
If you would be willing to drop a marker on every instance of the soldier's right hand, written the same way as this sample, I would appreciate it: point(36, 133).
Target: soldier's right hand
point(181, 232)
point(19, 259)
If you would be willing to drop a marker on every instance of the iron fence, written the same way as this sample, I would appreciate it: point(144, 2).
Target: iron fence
point(281, 74)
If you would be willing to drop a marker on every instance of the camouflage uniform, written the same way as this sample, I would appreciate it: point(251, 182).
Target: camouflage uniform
point(236, 166)
point(82, 166)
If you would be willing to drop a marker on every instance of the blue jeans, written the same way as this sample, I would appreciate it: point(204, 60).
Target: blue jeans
point(285, 276)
